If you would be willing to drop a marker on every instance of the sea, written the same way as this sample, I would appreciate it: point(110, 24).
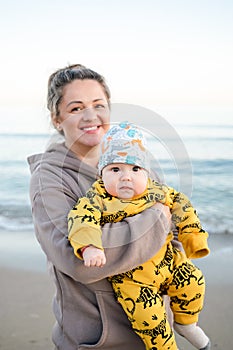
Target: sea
point(207, 160)
point(200, 166)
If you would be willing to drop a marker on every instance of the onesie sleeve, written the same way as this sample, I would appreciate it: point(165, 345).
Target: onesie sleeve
point(190, 232)
point(84, 226)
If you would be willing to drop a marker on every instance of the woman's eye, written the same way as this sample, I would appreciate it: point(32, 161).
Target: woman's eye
point(100, 106)
point(115, 169)
point(76, 109)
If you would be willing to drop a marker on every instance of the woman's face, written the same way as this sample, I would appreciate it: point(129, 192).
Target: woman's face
point(84, 114)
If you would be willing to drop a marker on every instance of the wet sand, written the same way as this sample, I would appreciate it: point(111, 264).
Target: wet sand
point(26, 317)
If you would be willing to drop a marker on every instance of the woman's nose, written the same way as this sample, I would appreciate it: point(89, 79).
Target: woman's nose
point(89, 114)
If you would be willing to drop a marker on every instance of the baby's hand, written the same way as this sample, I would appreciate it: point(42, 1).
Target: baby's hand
point(93, 256)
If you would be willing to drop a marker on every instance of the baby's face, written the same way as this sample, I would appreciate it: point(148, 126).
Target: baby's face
point(124, 181)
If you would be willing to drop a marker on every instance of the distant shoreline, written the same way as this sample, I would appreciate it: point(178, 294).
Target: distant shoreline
point(177, 125)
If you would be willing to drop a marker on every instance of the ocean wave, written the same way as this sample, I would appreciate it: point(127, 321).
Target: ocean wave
point(206, 174)
point(18, 222)
point(15, 217)
point(17, 225)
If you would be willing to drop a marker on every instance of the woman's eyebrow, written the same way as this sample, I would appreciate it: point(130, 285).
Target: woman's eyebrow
point(96, 100)
point(71, 102)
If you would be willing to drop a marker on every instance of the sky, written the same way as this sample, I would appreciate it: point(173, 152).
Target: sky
point(172, 56)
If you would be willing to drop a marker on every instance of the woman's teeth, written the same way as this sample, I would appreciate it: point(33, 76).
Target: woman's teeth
point(90, 128)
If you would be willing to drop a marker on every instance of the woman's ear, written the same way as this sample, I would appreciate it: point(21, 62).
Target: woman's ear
point(56, 123)
point(54, 120)
point(58, 127)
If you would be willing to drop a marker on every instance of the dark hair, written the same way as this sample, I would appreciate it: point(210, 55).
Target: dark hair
point(60, 78)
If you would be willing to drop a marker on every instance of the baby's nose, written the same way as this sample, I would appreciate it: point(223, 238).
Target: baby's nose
point(126, 175)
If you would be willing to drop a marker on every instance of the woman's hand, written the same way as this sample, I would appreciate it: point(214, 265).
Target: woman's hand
point(164, 209)
point(93, 256)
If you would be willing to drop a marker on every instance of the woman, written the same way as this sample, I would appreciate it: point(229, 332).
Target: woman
point(87, 315)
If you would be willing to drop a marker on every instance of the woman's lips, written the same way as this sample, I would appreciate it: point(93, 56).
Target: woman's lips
point(90, 129)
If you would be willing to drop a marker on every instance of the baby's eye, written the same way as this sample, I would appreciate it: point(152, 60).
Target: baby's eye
point(115, 169)
point(136, 168)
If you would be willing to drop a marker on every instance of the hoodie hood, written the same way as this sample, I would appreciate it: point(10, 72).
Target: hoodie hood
point(59, 156)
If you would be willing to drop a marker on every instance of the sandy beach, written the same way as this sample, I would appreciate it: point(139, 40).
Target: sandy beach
point(26, 317)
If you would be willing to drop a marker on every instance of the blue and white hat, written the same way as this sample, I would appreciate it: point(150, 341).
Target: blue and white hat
point(124, 143)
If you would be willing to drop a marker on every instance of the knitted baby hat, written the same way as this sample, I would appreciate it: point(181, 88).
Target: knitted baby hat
point(124, 143)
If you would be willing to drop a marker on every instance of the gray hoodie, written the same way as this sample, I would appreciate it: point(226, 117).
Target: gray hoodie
point(87, 314)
